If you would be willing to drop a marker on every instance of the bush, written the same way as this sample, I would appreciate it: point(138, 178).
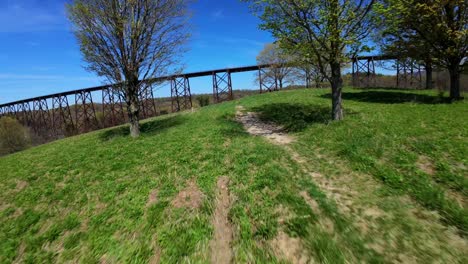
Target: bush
point(13, 136)
point(203, 100)
point(100, 119)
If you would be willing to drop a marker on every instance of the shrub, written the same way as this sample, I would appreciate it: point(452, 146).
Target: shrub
point(203, 100)
point(100, 119)
point(13, 136)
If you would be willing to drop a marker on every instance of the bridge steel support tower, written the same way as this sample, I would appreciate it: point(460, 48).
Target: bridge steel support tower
point(146, 98)
point(363, 72)
point(112, 107)
point(62, 119)
point(181, 96)
point(42, 119)
point(409, 74)
point(26, 115)
point(268, 82)
point(85, 113)
point(222, 87)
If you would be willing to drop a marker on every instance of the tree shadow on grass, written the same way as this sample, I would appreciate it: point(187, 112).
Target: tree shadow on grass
point(293, 117)
point(146, 128)
point(392, 97)
point(231, 127)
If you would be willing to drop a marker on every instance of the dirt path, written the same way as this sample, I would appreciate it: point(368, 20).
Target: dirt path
point(356, 196)
point(221, 252)
point(271, 131)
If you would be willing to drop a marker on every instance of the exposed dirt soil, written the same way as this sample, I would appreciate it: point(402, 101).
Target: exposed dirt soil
point(20, 255)
point(20, 185)
point(325, 222)
point(425, 164)
point(458, 198)
point(156, 257)
point(190, 197)
point(290, 249)
point(152, 198)
point(221, 251)
point(270, 131)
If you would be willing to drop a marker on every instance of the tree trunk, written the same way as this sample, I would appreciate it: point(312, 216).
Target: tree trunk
point(307, 79)
point(429, 82)
point(454, 70)
point(317, 82)
point(337, 86)
point(133, 110)
point(280, 83)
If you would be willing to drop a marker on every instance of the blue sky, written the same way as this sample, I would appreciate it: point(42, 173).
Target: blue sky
point(39, 54)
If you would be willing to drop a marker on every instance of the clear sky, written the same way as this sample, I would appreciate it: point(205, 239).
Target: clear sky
point(39, 54)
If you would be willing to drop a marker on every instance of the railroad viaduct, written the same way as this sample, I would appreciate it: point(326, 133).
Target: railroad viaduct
point(69, 113)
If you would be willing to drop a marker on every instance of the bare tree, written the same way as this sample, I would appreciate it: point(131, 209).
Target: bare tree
point(306, 71)
point(129, 41)
point(280, 63)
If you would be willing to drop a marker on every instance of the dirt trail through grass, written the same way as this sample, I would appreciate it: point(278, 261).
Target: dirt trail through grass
point(271, 131)
point(357, 199)
point(221, 251)
point(274, 133)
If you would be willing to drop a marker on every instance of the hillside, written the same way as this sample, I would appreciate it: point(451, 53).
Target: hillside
point(388, 184)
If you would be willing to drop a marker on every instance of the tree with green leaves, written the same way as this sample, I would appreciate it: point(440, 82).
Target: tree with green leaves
point(127, 41)
point(325, 32)
point(436, 27)
point(405, 45)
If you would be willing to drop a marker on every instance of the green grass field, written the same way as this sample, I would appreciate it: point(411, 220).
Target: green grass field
point(388, 184)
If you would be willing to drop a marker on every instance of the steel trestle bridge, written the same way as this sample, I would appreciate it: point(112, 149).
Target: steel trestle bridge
point(69, 113)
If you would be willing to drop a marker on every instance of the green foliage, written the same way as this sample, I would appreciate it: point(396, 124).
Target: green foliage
point(203, 100)
point(13, 136)
point(322, 32)
point(427, 30)
point(439, 25)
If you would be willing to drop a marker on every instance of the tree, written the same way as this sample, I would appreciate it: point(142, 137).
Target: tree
point(278, 59)
point(440, 24)
point(326, 32)
point(129, 41)
point(405, 45)
point(307, 71)
point(13, 136)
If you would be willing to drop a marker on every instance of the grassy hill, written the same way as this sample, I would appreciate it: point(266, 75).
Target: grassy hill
point(388, 184)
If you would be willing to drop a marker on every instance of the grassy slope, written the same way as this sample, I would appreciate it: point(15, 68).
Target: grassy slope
point(85, 198)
